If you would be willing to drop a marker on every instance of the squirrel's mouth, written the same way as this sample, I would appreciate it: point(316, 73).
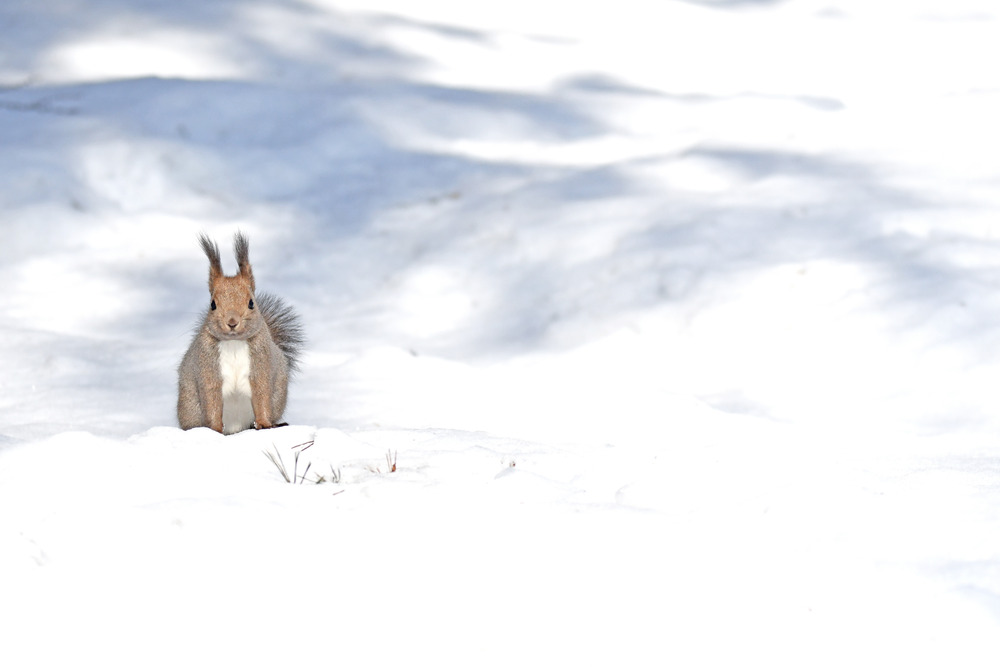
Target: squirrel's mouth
point(232, 334)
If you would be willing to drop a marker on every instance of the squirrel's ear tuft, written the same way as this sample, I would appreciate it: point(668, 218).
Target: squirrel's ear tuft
point(211, 249)
point(241, 246)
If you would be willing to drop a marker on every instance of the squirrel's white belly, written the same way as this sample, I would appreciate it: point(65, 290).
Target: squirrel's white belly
point(234, 365)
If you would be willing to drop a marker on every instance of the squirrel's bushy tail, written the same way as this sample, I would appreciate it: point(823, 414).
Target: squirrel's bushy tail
point(286, 330)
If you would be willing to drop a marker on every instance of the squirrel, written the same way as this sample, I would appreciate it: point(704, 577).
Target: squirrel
point(235, 373)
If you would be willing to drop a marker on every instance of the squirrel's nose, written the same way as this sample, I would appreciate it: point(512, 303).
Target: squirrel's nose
point(232, 323)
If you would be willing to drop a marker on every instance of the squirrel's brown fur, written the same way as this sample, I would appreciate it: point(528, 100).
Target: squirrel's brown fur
point(235, 373)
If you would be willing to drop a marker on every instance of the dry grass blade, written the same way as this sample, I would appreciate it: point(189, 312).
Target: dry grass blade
point(304, 445)
point(295, 478)
point(276, 459)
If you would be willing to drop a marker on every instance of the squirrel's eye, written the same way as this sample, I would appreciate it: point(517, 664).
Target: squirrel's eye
point(213, 304)
point(251, 304)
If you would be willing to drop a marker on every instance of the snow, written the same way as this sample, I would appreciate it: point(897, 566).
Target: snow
point(655, 334)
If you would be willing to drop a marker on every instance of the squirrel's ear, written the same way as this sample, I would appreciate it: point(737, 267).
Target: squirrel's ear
point(214, 260)
point(241, 246)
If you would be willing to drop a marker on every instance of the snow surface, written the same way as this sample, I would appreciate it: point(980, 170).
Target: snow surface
point(680, 322)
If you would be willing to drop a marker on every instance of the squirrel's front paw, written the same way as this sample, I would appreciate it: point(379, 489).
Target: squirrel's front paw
point(260, 426)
